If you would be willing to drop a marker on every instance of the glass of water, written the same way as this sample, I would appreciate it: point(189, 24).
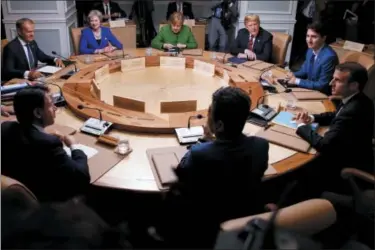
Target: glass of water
point(149, 51)
point(88, 59)
point(123, 146)
point(213, 55)
point(291, 102)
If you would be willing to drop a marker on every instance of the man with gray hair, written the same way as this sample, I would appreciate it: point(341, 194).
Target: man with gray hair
point(22, 54)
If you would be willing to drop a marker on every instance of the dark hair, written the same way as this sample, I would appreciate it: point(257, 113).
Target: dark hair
point(21, 21)
point(357, 73)
point(231, 105)
point(69, 225)
point(27, 100)
point(318, 27)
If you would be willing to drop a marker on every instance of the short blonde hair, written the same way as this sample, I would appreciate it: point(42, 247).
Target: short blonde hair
point(176, 17)
point(96, 13)
point(251, 18)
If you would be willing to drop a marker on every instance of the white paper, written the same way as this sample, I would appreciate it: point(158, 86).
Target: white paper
point(89, 152)
point(192, 132)
point(49, 69)
point(270, 170)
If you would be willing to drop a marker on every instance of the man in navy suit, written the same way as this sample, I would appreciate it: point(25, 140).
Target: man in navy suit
point(38, 159)
point(22, 54)
point(321, 60)
point(253, 42)
point(225, 172)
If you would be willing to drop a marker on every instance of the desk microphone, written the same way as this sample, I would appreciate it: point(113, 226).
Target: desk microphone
point(269, 94)
point(59, 100)
point(66, 59)
point(80, 106)
point(199, 116)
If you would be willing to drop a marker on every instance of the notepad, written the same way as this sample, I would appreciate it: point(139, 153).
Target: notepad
point(89, 152)
point(49, 69)
point(285, 119)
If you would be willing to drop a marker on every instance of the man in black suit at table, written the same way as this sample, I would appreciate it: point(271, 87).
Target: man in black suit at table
point(38, 159)
point(253, 42)
point(348, 142)
point(184, 7)
point(22, 54)
point(110, 10)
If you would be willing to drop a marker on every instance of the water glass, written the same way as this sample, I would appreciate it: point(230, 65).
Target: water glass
point(123, 146)
point(291, 102)
point(149, 51)
point(213, 55)
point(88, 59)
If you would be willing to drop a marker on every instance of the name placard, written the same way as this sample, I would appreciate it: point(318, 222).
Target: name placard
point(203, 67)
point(96, 89)
point(133, 64)
point(172, 62)
point(102, 73)
point(349, 45)
point(117, 23)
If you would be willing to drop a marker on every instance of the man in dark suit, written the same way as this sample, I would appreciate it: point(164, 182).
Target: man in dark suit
point(317, 70)
point(22, 54)
point(110, 10)
point(348, 142)
point(253, 42)
point(224, 172)
point(38, 159)
point(180, 6)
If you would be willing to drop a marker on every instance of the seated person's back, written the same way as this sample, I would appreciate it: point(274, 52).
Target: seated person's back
point(37, 159)
point(229, 169)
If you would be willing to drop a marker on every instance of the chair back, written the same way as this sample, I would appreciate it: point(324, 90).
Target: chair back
point(126, 35)
point(280, 44)
point(8, 183)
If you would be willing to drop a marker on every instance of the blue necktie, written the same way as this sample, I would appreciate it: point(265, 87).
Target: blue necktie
point(31, 57)
point(311, 68)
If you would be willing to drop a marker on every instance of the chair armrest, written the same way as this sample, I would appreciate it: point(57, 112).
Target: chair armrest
point(350, 172)
point(307, 217)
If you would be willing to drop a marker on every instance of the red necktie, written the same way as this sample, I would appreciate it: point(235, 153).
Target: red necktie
point(250, 44)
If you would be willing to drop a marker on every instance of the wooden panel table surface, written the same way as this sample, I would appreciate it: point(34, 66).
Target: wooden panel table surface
point(134, 172)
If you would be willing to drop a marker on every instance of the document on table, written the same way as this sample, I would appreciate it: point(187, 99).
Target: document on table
point(89, 152)
point(49, 69)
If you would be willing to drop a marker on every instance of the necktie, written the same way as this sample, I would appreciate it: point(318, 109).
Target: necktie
point(250, 44)
point(311, 68)
point(30, 56)
point(106, 10)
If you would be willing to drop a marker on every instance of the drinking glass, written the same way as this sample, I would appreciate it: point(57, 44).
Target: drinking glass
point(213, 55)
point(149, 51)
point(123, 146)
point(88, 59)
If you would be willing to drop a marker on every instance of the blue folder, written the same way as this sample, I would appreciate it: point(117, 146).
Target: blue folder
point(285, 119)
point(237, 60)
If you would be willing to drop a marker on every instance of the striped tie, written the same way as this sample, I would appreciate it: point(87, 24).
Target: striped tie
point(250, 44)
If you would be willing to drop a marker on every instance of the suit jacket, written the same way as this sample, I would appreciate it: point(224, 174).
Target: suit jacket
point(262, 46)
point(113, 6)
point(39, 161)
point(15, 61)
point(225, 172)
point(317, 73)
point(88, 44)
point(186, 8)
point(348, 143)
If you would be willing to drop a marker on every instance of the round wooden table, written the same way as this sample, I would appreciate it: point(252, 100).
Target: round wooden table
point(151, 86)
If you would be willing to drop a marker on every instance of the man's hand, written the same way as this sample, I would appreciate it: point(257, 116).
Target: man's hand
point(69, 140)
point(35, 75)
point(250, 54)
point(7, 111)
point(290, 77)
point(241, 55)
point(59, 63)
point(181, 46)
point(116, 14)
point(302, 117)
point(106, 17)
point(167, 46)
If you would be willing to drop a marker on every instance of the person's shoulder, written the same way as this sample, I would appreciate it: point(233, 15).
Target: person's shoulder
point(266, 34)
point(329, 51)
point(12, 44)
point(201, 148)
point(8, 126)
point(258, 142)
point(85, 31)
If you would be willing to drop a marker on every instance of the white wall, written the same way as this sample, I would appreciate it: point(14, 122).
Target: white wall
point(278, 16)
point(52, 19)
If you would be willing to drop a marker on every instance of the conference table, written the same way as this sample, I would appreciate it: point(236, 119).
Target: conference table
point(163, 79)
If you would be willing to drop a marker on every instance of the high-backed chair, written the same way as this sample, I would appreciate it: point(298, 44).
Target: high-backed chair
point(280, 44)
point(9, 184)
point(126, 35)
point(307, 217)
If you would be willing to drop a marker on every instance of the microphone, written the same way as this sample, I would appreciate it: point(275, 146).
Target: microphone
point(199, 116)
point(80, 106)
point(269, 94)
point(66, 59)
point(58, 100)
